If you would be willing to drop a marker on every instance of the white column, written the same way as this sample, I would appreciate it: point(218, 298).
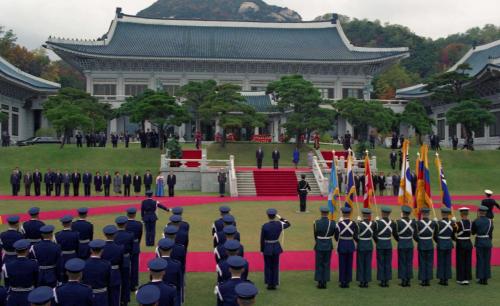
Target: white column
point(218, 129)
point(120, 88)
point(89, 87)
point(113, 126)
point(276, 130)
point(256, 131)
point(338, 89)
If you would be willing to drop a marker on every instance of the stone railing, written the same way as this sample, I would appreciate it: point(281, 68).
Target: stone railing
point(319, 176)
point(233, 181)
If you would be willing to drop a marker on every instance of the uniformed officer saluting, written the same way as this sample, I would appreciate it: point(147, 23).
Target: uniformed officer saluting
point(444, 235)
point(148, 214)
point(464, 248)
point(324, 229)
point(405, 228)
point(345, 232)
point(271, 248)
point(364, 254)
point(423, 235)
point(48, 256)
point(482, 227)
point(302, 189)
point(97, 273)
point(73, 293)
point(41, 296)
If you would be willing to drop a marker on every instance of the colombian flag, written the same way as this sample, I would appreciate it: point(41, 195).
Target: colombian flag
point(423, 193)
point(445, 193)
point(369, 195)
point(333, 191)
point(351, 188)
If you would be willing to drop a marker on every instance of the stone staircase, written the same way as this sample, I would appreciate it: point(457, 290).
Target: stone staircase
point(246, 183)
point(311, 180)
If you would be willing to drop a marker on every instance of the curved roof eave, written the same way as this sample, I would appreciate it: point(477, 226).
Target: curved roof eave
point(16, 76)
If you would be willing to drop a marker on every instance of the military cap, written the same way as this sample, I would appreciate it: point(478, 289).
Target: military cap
point(149, 193)
point(82, 210)
point(425, 210)
point(488, 192)
point(66, 219)
point(33, 211)
point(406, 209)
point(157, 265)
point(272, 212)
point(228, 219)
point(246, 291)
point(324, 209)
point(47, 229)
point(121, 220)
point(229, 230)
point(13, 219)
point(464, 209)
point(166, 244)
point(109, 230)
point(22, 245)
point(445, 210)
point(177, 210)
point(386, 210)
point(131, 210)
point(41, 295)
point(236, 262)
point(224, 209)
point(366, 211)
point(97, 244)
point(232, 245)
point(171, 230)
point(346, 210)
point(75, 265)
point(483, 208)
point(175, 218)
point(148, 295)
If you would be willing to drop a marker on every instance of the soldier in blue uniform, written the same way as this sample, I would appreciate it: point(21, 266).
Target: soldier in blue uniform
point(464, 248)
point(68, 240)
point(173, 273)
point(366, 230)
point(21, 275)
point(3, 296)
point(345, 232)
point(482, 227)
point(33, 225)
point(219, 237)
point(405, 229)
point(85, 231)
point(41, 296)
point(9, 237)
point(113, 253)
point(220, 251)
point(383, 238)
point(246, 293)
point(178, 250)
point(74, 293)
point(148, 214)
point(218, 224)
point(135, 227)
point(48, 255)
point(324, 229)
point(183, 224)
point(168, 295)
point(443, 236)
point(226, 294)
point(148, 295)
point(223, 274)
point(271, 248)
point(424, 232)
point(97, 273)
point(182, 236)
point(126, 240)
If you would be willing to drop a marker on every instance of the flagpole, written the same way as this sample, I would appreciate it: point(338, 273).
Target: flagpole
point(354, 182)
point(374, 197)
point(440, 170)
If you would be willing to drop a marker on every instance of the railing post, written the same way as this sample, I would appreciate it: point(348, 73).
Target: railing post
point(233, 182)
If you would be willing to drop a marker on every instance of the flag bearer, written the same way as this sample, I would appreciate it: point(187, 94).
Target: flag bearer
point(444, 234)
point(324, 229)
point(366, 229)
point(345, 233)
point(482, 227)
point(464, 248)
point(405, 228)
point(424, 233)
point(383, 238)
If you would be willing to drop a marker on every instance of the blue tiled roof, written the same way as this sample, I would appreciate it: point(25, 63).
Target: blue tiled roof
point(413, 91)
point(13, 74)
point(261, 102)
point(151, 38)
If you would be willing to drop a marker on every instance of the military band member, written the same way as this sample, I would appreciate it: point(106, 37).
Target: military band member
point(33, 225)
point(48, 255)
point(302, 189)
point(226, 294)
point(148, 295)
point(232, 248)
point(246, 293)
point(218, 224)
point(383, 238)
point(220, 237)
point(443, 236)
point(405, 229)
point(97, 273)
point(366, 230)
point(271, 248)
point(41, 296)
point(464, 248)
point(168, 295)
point(482, 227)
point(68, 240)
point(220, 251)
point(135, 227)
point(173, 274)
point(85, 231)
point(345, 233)
point(424, 232)
point(113, 253)
point(324, 229)
point(124, 239)
point(149, 218)
point(74, 293)
point(9, 237)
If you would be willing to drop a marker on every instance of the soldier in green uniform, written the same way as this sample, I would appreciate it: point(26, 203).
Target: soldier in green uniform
point(383, 238)
point(324, 229)
point(366, 228)
point(444, 234)
point(423, 235)
point(405, 228)
point(482, 227)
point(464, 248)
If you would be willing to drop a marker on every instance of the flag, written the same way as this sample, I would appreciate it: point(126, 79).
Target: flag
point(445, 193)
point(351, 188)
point(405, 195)
point(423, 193)
point(369, 195)
point(333, 191)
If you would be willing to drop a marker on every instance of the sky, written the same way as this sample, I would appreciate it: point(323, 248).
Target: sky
point(34, 21)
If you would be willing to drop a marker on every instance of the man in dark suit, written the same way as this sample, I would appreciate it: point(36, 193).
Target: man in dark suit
point(66, 180)
point(37, 181)
point(381, 183)
point(75, 180)
point(15, 181)
point(87, 183)
point(393, 158)
point(171, 181)
point(137, 182)
point(127, 181)
point(259, 155)
point(58, 178)
point(276, 158)
point(395, 184)
point(148, 180)
point(106, 180)
point(49, 183)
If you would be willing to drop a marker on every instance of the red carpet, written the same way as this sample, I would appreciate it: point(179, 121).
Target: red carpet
point(192, 154)
point(290, 261)
point(275, 183)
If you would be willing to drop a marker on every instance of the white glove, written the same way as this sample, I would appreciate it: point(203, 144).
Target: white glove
point(359, 218)
point(436, 219)
point(377, 218)
point(278, 216)
point(454, 219)
point(341, 219)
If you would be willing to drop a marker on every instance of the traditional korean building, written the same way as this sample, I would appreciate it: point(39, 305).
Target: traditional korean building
point(138, 53)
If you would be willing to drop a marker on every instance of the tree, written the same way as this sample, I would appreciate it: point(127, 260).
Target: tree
point(7, 41)
point(396, 76)
point(227, 106)
point(157, 107)
point(450, 87)
point(73, 109)
point(195, 94)
point(298, 95)
point(416, 116)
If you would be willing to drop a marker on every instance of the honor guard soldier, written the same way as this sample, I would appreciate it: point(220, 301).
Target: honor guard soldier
point(223, 274)
point(3, 296)
point(168, 295)
point(74, 293)
point(226, 294)
point(135, 227)
point(97, 273)
point(364, 254)
point(113, 253)
point(220, 251)
point(324, 229)
point(302, 189)
point(246, 293)
point(424, 232)
point(148, 214)
point(405, 229)
point(345, 232)
point(482, 227)
point(219, 223)
point(21, 274)
point(383, 238)
point(271, 248)
point(489, 203)
point(48, 255)
point(33, 225)
point(219, 237)
point(183, 224)
point(9, 237)
point(41, 296)
point(444, 235)
point(178, 250)
point(182, 236)
point(126, 241)
point(464, 248)
point(148, 295)
point(85, 231)
point(68, 240)
point(173, 273)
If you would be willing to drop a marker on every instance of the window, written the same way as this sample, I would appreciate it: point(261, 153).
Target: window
point(352, 93)
point(15, 125)
point(135, 89)
point(15, 109)
point(480, 132)
point(452, 130)
point(104, 89)
point(495, 127)
point(441, 129)
point(6, 107)
point(327, 93)
point(5, 125)
point(171, 89)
